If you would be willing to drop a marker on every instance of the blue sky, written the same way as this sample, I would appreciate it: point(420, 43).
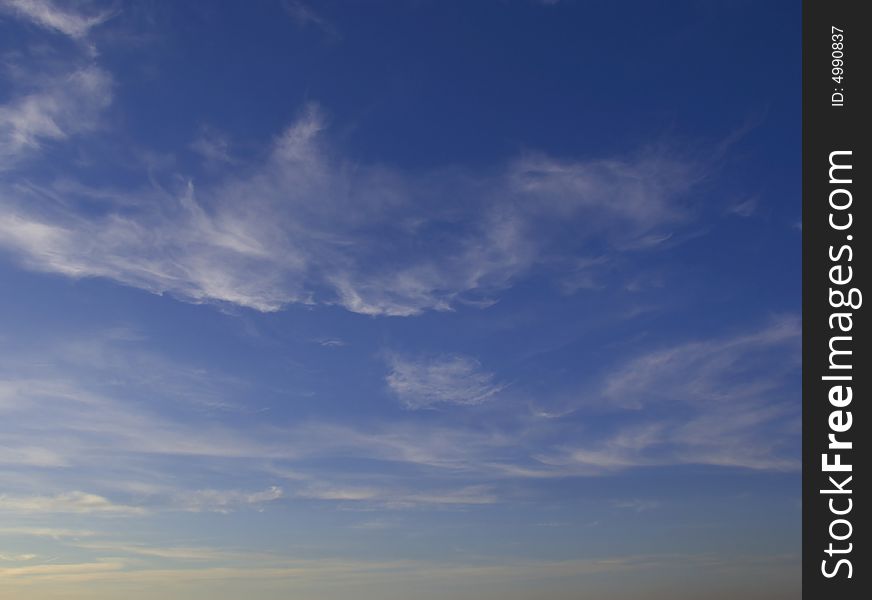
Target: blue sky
point(400, 299)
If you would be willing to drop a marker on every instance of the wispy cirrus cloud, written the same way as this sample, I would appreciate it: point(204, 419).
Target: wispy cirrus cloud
point(132, 437)
point(729, 369)
point(721, 402)
point(55, 95)
point(225, 501)
point(309, 226)
point(64, 106)
point(429, 382)
point(52, 16)
point(68, 418)
point(213, 146)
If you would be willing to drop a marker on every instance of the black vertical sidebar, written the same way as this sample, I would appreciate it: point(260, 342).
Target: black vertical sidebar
point(836, 371)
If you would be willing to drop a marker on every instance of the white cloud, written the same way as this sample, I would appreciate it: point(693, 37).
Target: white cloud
point(213, 146)
point(34, 456)
point(399, 498)
point(308, 226)
point(453, 379)
point(102, 404)
point(57, 410)
point(8, 557)
point(58, 93)
point(638, 505)
point(445, 448)
point(48, 532)
point(49, 15)
point(63, 571)
point(225, 501)
point(745, 208)
point(721, 402)
point(469, 495)
point(720, 370)
point(70, 502)
point(65, 106)
point(104, 442)
point(339, 493)
point(84, 422)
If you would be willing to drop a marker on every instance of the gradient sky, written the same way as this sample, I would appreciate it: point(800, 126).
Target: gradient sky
point(393, 300)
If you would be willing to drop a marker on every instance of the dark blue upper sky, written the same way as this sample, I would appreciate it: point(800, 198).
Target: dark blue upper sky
point(491, 299)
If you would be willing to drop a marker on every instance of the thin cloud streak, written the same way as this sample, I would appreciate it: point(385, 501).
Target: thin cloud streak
point(71, 502)
point(49, 15)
